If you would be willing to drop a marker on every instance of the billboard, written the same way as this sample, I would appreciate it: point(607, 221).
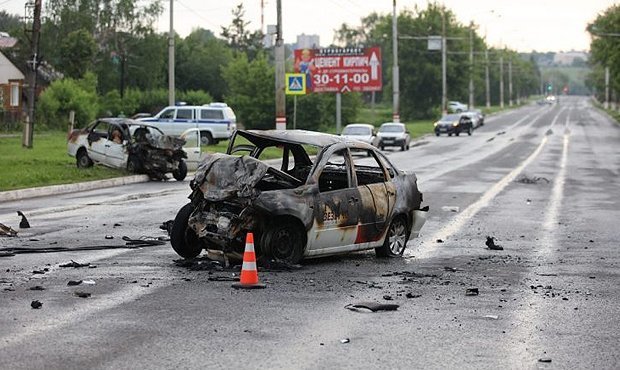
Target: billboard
point(340, 69)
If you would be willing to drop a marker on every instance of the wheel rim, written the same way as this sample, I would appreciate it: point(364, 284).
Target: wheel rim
point(283, 244)
point(397, 237)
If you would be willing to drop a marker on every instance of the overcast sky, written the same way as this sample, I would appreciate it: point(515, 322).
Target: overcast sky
point(524, 25)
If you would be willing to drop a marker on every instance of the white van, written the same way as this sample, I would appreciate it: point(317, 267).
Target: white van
point(216, 121)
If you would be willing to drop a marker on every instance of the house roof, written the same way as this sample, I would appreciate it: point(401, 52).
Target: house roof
point(7, 42)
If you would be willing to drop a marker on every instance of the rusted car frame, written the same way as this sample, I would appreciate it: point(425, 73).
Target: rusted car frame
point(298, 207)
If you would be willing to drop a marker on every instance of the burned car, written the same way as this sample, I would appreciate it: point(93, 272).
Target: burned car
point(128, 144)
point(298, 207)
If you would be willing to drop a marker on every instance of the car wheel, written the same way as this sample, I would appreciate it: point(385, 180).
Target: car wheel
point(395, 239)
point(457, 133)
point(470, 131)
point(206, 138)
point(82, 159)
point(382, 148)
point(450, 134)
point(437, 134)
point(402, 147)
point(180, 173)
point(183, 239)
point(283, 241)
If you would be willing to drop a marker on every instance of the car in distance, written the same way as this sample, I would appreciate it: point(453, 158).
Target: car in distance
point(128, 144)
point(360, 131)
point(393, 134)
point(216, 121)
point(454, 124)
point(456, 107)
point(476, 117)
point(301, 207)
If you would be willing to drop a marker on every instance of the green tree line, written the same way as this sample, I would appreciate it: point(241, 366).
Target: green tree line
point(605, 53)
point(113, 61)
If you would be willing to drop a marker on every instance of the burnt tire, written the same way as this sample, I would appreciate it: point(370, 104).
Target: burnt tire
point(395, 239)
point(82, 159)
point(183, 239)
point(283, 241)
point(181, 171)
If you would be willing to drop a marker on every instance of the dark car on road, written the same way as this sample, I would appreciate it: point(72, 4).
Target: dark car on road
point(318, 199)
point(454, 124)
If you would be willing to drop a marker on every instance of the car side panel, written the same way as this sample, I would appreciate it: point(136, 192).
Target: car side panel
point(336, 217)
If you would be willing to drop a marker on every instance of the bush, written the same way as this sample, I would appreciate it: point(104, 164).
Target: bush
point(63, 96)
point(194, 97)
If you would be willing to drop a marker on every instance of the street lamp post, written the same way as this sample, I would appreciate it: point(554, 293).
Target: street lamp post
point(444, 86)
point(501, 81)
point(395, 76)
point(279, 50)
point(471, 66)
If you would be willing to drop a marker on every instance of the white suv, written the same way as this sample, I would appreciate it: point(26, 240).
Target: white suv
point(216, 121)
point(456, 107)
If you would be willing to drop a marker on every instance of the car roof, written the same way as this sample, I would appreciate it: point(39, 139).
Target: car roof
point(392, 124)
point(359, 125)
point(302, 137)
point(119, 121)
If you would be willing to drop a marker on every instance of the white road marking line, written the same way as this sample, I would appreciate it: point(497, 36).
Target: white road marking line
point(427, 245)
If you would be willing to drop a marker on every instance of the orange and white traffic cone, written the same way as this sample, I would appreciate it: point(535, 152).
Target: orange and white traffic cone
point(249, 274)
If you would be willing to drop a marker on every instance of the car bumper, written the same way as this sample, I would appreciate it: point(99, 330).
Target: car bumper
point(392, 142)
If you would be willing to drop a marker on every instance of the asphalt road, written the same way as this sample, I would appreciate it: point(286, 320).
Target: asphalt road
point(542, 180)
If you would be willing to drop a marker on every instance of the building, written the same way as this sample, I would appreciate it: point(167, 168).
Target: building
point(308, 41)
point(11, 85)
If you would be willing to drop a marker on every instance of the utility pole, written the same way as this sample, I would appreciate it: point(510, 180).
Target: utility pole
point(510, 82)
point(444, 87)
point(34, 65)
point(487, 82)
point(606, 105)
point(279, 50)
point(471, 66)
point(395, 73)
point(171, 98)
point(501, 81)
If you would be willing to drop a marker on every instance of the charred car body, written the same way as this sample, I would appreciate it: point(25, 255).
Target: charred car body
point(299, 208)
point(128, 144)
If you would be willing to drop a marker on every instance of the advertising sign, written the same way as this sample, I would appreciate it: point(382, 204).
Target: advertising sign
point(340, 69)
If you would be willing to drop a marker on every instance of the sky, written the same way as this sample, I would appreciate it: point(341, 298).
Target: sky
point(522, 25)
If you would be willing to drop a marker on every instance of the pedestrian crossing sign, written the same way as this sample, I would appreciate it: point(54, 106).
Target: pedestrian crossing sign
point(295, 84)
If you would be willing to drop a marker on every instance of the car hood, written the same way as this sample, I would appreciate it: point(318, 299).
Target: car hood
point(364, 138)
point(223, 176)
point(391, 134)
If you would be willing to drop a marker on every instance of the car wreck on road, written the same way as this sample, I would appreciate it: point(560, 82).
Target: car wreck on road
point(297, 206)
point(128, 144)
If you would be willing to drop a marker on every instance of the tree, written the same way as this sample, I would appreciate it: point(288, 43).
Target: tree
point(76, 53)
point(605, 47)
point(251, 91)
point(239, 38)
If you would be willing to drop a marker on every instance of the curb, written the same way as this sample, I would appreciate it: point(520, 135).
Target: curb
point(70, 188)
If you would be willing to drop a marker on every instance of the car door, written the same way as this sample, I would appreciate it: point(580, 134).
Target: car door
point(377, 198)
point(115, 153)
point(336, 206)
point(184, 118)
point(192, 148)
point(97, 140)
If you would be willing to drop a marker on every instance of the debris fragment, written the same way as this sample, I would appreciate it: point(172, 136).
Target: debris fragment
point(167, 226)
point(75, 264)
point(450, 208)
point(23, 224)
point(82, 294)
point(471, 291)
point(439, 241)
point(88, 282)
point(345, 340)
point(38, 272)
point(74, 282)
point(411, 295)
point(223, 278)
point(387, 297)
point(492, 317)
point(7, 230)
point(372, 306)
point(450, 269)
point(544, 359)
point(36, 304)
point(491, 244)
point(36, 287)
point(531, 180)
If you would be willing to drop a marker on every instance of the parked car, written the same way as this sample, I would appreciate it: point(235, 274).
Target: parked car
point(360, 131)
point(393, 134)
point(216, 121)
point(454, 124)
point(456, 107)
point(128, 144)
point(476, 117)
point(334, 203)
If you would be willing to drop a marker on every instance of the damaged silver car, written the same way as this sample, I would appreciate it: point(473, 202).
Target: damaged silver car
point(128, 144)
point(297, 206)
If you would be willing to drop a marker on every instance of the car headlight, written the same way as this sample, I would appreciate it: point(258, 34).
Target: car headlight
point(436, 124)
point(455, 124)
